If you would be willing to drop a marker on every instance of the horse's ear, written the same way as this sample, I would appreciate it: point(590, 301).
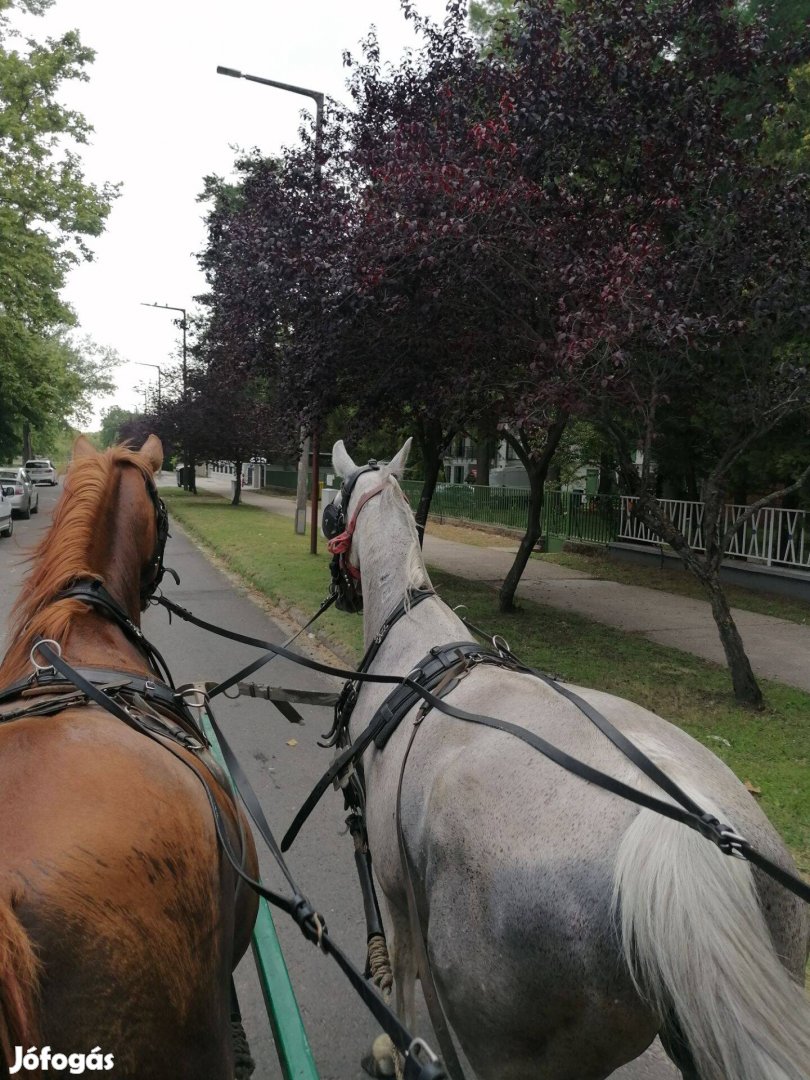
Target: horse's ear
point(83, 448)
point(152, 450)
point(343, 464)
point(396, 466)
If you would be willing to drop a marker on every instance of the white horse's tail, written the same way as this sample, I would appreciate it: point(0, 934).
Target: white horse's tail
point(697, 946)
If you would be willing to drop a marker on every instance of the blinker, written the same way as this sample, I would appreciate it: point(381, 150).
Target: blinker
point(333, 523)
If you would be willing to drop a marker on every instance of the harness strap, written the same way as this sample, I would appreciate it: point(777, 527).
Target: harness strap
point(310, 923)
point(387, 717)
point(728, 842)
point(243, 673)
point(431, 995)
point(436, 1013)
point(348, 697)
point(93, 592)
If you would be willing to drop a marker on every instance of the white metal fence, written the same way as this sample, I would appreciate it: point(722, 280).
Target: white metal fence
point(772, 537)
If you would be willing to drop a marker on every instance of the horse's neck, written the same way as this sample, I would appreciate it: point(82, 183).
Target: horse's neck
point(385, 544)
point(391, 564)
point(97, 642)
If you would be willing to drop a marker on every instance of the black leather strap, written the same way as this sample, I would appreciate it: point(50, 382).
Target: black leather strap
point(429, 990)
point(149, 687)
point(311, 925)
point(428, 673)
point(92, 592)
point(703, 823)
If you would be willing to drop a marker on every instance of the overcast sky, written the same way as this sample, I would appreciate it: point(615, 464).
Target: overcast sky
point(164, 119)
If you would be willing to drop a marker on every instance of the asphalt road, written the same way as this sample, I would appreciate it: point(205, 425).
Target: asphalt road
point(339, 1027)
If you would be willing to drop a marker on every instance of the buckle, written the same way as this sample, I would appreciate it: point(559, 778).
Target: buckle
point(731, 843)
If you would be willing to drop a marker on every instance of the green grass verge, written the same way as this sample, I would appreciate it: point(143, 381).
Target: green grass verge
point(771, 749)
point(264, 549)
point(676, 580)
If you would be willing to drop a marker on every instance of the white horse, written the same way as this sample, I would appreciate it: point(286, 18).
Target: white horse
point(565, 926)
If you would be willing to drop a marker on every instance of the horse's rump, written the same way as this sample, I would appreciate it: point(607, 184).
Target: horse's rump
point(19, 984)
point(120, 891)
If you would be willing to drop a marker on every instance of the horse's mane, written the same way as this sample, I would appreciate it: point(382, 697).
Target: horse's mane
point(416, 574)
point(62, 555)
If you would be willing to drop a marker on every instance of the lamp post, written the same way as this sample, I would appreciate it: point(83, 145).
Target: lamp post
point(301, 490)
point(140, 363)
point(187, 454)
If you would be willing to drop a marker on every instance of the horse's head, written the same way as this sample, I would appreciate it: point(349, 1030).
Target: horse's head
point(138, 525)
point(341, 519)
point(109, 526)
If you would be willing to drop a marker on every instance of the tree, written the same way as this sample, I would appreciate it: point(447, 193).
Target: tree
point(47, 210)
point(675, 264)
point(113, 421)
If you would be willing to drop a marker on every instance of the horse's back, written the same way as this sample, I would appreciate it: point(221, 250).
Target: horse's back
point(515, 854)
point(116, 879)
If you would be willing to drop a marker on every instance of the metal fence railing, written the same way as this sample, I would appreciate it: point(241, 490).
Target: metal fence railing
point(772, 537)
point(485, 505)
point(573, 515)
point(570, 515)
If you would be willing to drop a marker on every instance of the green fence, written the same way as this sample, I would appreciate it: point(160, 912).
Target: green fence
point(567, 515)
point(572, 515)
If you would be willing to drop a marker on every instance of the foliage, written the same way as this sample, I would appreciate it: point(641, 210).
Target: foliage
point(48, 384)
point(113, 421)
point(47, 210)
point(585, 220)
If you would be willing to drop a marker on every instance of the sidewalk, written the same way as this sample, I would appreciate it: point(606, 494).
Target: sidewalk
point(777, 649)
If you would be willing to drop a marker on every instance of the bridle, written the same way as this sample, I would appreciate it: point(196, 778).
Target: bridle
point(154, 571)
point(345, 585)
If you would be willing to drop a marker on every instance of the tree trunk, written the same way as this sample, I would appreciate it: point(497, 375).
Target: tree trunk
point(537, 470)
point(607, 479)
point(746, 688)
point(707, 571)
point(26, 445)
point(431, 443)
point(483, 452)
point(506, 595)
point(237, 486)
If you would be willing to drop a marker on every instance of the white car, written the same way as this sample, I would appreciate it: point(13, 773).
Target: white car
point(24, 497)
point(6, 520)
point(41, 471)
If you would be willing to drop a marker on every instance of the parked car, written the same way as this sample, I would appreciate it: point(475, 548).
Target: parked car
point(41, 471)
point(25, 500)
point(6, 520)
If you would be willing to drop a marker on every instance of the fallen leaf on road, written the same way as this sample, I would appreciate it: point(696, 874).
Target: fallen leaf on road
point(720, 739)
point(755, 791)
point(292, 742)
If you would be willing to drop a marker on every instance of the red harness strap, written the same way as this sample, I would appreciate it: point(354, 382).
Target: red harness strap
point(342, 543)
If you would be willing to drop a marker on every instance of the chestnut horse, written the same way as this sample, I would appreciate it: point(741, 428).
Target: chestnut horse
point(120, 919)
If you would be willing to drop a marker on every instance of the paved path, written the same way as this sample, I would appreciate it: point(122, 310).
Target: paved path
point(777, 649)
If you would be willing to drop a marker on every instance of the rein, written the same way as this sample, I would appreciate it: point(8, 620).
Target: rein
point(683, 810)
point(298, 907)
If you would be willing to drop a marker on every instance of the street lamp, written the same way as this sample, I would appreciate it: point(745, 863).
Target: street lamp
point(183, 325)
point(140, 363)
point(189, 465)
point(301, 491)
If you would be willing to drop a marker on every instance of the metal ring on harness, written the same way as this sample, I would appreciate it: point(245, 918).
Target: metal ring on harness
point(500, 645)
point(189, 692)
point(57, 648)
